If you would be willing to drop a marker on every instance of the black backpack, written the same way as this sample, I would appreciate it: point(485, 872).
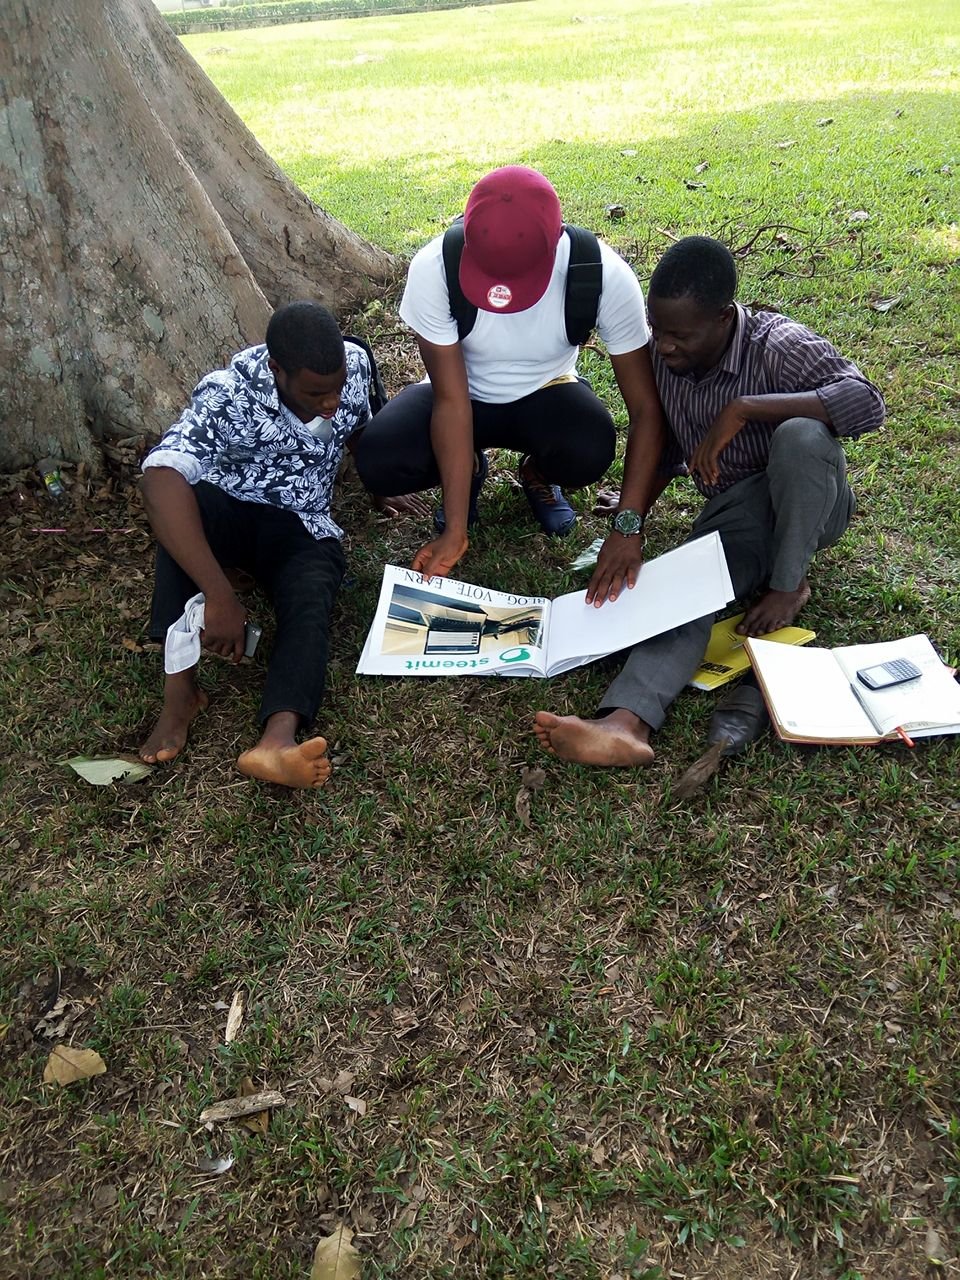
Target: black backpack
point(378, 392)
point(584, 283)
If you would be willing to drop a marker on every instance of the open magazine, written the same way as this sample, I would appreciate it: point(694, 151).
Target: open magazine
point(441, 627)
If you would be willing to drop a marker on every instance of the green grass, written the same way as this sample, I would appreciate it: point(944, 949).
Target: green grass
point(639, 1037)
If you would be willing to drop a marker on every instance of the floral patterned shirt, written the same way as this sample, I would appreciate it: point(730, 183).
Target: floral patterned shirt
point(238, 435)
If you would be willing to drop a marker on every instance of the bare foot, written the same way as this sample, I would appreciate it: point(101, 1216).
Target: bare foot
point(774, 610)
point(302, 764)
point(620, 738)
point(182, 700)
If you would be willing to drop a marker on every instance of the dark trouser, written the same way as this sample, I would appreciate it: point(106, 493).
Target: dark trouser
point(299, 573)
point(565, 429)
point(770, 524)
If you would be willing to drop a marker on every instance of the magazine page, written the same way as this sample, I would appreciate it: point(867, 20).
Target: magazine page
point(686, 583)
point(925, 706)
point(442, 627)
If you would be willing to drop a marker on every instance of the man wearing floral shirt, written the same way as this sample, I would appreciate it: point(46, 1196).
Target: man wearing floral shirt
point(244, 480)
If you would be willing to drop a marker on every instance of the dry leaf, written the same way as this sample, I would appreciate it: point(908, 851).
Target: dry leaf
point(335, 1258)
point(933, 1247)
point(102, 770)
point(522, 806)
point(532, 779)
point(356, 1104)
point(786, 144)
point(694, 186)
point(343, 1082)
point(615, 212)
point(215, 1164)
point(599, 1154)
point(232, 1108)
point(66, 1064)
point(702, 167)
point(885, 304)
point(131, 645)
point(235, 1017)
point(824, 121)
point(858, 215)
point(629, 151)
point(260, 1122)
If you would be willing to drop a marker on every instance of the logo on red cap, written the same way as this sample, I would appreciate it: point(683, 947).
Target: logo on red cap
point(499, 296)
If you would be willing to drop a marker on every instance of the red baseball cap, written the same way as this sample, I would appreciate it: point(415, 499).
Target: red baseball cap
point(511, 227)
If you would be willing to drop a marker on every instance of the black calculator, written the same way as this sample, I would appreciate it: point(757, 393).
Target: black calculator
point(884, 674)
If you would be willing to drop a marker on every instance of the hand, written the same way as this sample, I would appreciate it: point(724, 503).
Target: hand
point(223, 622)
point(437, 558)
point(607, 502)
point(618, 564)
point(726, 425)
point(405, 504)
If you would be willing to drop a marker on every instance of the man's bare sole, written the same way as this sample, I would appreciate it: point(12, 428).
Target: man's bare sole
point(609, 741)
point(169, 736)
point(774, 610)
point(303, 764)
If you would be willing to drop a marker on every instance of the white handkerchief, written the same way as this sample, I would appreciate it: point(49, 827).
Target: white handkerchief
point(182, 647)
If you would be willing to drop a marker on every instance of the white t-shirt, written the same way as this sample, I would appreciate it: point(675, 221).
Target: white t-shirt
point(510, 356)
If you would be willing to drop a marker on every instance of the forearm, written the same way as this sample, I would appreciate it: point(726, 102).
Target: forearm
point(451, 435)
point(175, 519)
point(779, 407)
point(642, 481)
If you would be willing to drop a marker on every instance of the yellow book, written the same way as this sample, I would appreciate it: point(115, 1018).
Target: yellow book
point(726, 657)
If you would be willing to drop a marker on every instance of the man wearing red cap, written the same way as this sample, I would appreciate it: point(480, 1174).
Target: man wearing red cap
point(511, 381)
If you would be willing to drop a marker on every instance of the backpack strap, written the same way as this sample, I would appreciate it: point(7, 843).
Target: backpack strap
point(584, 285)
point(378, 392)
point(464, 312)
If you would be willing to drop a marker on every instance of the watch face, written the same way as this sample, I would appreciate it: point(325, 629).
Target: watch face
point(628, 522)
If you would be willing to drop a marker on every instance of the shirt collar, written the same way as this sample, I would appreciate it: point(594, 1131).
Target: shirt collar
point(733, 356)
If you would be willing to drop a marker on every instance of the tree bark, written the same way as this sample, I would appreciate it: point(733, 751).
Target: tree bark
point(144, 233)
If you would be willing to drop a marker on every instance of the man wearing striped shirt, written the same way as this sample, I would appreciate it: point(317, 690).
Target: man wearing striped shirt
point(757, 405)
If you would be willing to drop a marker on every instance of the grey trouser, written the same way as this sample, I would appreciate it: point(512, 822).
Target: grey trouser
point(771, 524)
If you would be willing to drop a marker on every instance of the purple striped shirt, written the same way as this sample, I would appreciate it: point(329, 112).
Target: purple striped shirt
point(769, 354)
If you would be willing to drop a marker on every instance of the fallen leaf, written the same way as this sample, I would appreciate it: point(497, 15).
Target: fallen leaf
point(131, 645)
point(615, 212)
point(933, 1247)
point(215, 1164)
point(232, 1108)
point(335, 1258)
point(66, 1064)
point(343, 1081)
point(702, 167)
point(260, 1122)
point(885, 304)
point(598, 1155)
point(238, 1009)
point(355, 1104)
point(824, 121)
point(532, 779)
point(522, 806)
point(694, 186)
point(786, 144)
point(858, 215)
point(102, 770)
point(629, 151)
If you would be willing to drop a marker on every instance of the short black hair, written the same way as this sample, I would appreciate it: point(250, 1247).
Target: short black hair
point(305, 335)
point(699, 268)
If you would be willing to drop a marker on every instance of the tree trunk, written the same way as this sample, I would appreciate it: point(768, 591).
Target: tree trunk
point(144, 233)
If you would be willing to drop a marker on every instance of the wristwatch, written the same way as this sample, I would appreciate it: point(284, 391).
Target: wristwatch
point(627, 522)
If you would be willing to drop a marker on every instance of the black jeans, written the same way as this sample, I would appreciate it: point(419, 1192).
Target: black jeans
point(299, 573)
point(566, 430)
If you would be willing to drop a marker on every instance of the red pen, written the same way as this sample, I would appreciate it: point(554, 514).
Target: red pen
point(904, 736)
